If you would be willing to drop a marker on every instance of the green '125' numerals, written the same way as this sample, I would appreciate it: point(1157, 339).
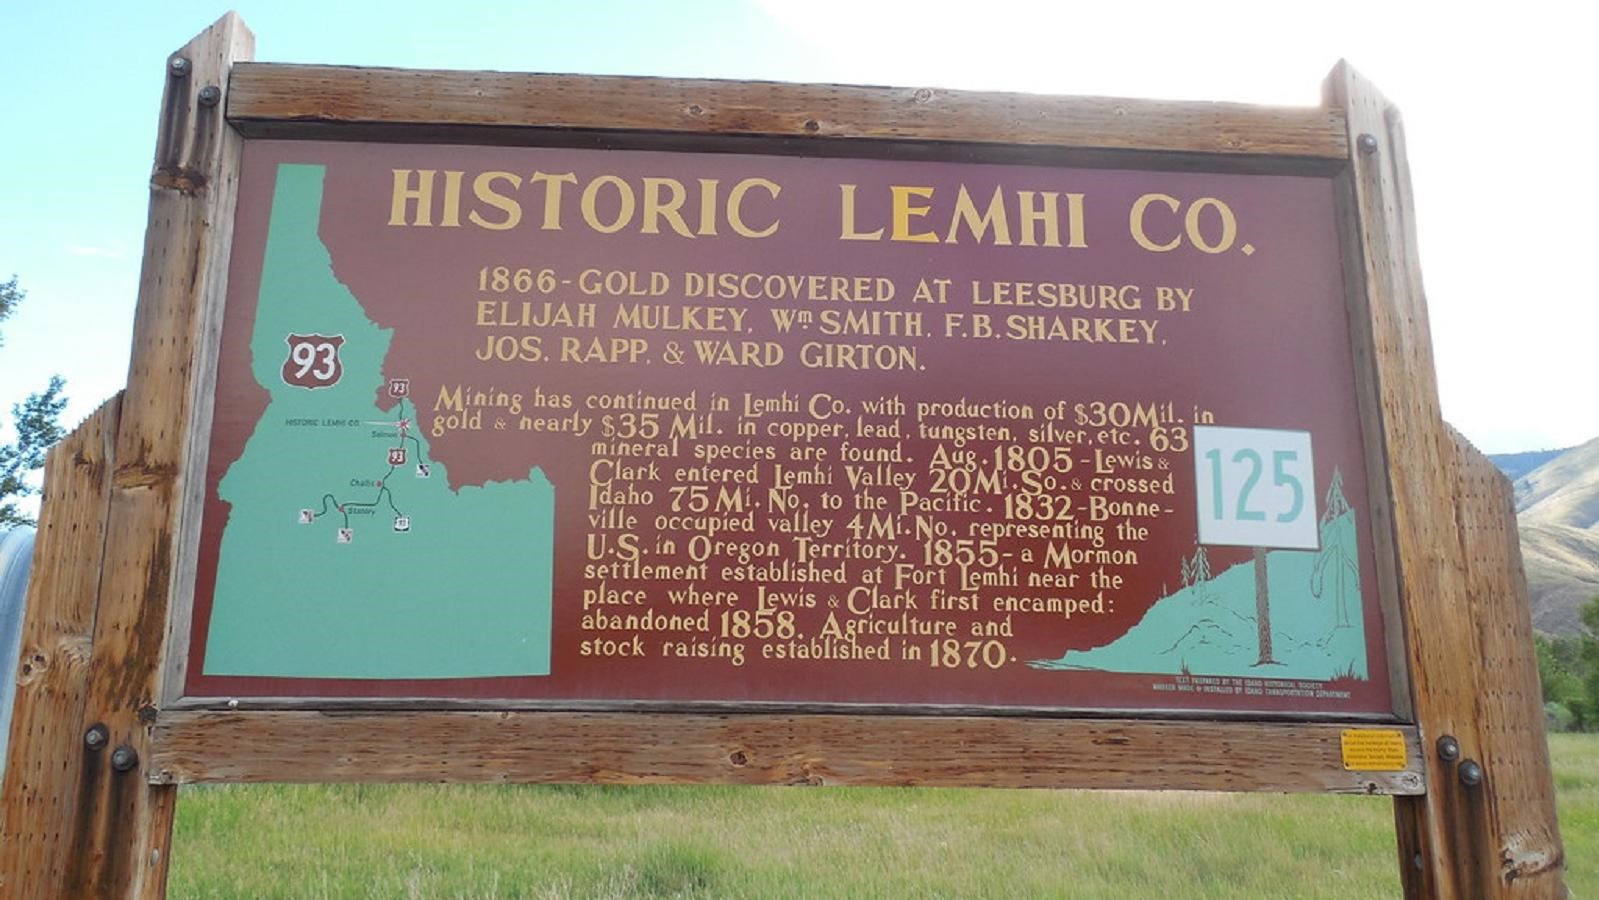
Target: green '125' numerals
point(1279, 477)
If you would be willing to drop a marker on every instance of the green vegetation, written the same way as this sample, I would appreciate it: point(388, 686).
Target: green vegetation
point(36, 421)
point(462, 841)
point(1568, 667)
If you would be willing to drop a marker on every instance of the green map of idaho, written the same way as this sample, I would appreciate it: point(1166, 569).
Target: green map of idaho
point(335, 563)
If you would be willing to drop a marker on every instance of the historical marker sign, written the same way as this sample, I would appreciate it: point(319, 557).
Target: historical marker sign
point(583, 426)
point(614, 430)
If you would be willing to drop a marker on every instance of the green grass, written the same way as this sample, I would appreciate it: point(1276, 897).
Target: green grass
point(1576, 764)
point(467, 841)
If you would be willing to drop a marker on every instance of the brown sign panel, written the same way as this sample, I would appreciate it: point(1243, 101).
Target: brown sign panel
point(586, 426)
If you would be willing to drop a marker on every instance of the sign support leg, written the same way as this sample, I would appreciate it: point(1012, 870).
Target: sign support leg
point(1486, 826)
point(80, 815)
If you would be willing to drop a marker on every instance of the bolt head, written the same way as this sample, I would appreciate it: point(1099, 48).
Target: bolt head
point(1470, 773)
point(1448, 748)
point(210, 95)
point(96, 737)
point(1367, 143)
point(178, 67)
point(124, 758)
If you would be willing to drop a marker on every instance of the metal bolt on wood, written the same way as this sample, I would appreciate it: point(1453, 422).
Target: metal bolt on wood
point(1448, 748)
point(210, 95)
point(1368, 143)
point(178, 67)
point(1470, 773)
point(96, 737)
point(124, 758)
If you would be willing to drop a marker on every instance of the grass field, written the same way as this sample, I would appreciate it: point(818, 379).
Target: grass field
point(455, 841)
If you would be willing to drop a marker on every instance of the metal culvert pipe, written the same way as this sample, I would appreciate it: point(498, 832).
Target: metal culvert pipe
point(16, 558)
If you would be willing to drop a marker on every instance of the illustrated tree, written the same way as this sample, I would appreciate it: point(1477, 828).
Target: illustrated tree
point(1196, 570)
point(36, 421)
point(1336, 556)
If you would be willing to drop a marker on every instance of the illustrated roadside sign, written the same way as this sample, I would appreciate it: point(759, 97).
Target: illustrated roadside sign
point(767, 429)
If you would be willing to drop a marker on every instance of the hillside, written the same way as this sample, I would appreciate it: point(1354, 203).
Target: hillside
point(1562, 491)
point(1562, 573)
point(1557, 507)
point(1515, 465)
point(1209, 627)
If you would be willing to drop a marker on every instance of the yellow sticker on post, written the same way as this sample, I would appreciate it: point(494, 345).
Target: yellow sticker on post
point(1374, 750)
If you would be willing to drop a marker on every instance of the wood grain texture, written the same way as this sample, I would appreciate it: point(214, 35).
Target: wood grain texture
point(124, 824)
point(636, 748)
point(1427, 551)
point(1380, 516)
point(1524, 852)
point(266, 97)
point(1455, 583)
point(47, 761)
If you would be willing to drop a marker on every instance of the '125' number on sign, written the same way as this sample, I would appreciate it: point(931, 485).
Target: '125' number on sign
point(1255, 486)
point(1279, 476)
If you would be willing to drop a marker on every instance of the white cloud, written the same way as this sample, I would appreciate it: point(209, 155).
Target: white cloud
point(107, 250)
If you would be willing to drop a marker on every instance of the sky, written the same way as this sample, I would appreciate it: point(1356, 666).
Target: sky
point(1494, 100)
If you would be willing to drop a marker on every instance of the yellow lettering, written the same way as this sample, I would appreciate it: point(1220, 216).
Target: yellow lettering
point(1136, 222)
point(1032, 217)
point(404, 194)
point(552, 196)
point(1074, 219)
point(735, 200)
point(708, 206)
point(655, 209)
point(624, 213)
point(978, 225)
point(904, 212)
point(452, 199)
point(1229, 225)
point(847, 205)
point(483, 189)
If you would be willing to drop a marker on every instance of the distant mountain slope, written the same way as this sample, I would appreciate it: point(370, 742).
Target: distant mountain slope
point(1562, 573)
point(1515, 465)
point(1557, 506)
point(1563, 491)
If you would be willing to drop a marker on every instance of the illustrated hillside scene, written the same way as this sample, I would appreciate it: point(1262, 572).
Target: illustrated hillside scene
point(1306, 624)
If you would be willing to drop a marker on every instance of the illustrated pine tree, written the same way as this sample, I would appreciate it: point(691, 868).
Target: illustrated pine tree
point(1336, 561)
point(1196, 570)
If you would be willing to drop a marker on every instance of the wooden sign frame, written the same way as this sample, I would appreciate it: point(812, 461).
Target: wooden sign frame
point(98, 746)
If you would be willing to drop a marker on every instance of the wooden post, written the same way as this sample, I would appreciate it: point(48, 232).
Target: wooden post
point(1486, 826)
point(80, 816)
point(47, 760)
